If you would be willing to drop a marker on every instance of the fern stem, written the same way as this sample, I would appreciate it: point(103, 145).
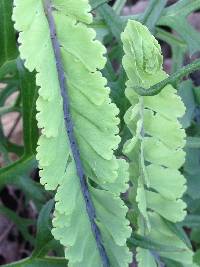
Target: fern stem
point(157, 88)
point(70, 132)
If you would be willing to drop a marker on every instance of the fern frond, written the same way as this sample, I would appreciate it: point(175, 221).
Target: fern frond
point(156, 148)
point(90, 222)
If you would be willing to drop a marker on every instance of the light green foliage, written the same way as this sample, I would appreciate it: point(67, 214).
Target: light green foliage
point(95, 126)
point(156, 148)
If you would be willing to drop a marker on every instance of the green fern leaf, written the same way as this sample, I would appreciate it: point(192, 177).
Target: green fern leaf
point(156, 148)
point(95, 128)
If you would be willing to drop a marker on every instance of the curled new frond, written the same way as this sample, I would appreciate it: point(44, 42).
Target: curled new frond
point(155, 150)
point(95, 127)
